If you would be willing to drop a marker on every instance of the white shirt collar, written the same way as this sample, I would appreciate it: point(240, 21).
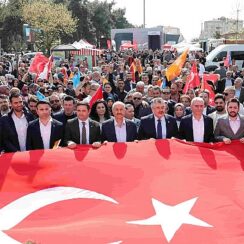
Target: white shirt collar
point(86, 121)
point(116, 124)
point(193, 118)
point(237, 118)
point(49, 121)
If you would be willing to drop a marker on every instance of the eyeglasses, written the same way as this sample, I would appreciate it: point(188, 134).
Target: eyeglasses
point(70, 83)
point(136, 98)
point(166, 93)
point(226, 94)
point(54, 101)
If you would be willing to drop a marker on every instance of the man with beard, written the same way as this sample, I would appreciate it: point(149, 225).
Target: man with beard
point(14, 125)
point(232, 126)
point(32, 102)
point(4, 105)
point(55, 103)
point(220, 112)
point(129, 85)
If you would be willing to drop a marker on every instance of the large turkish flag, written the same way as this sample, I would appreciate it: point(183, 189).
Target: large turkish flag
point(162, 191)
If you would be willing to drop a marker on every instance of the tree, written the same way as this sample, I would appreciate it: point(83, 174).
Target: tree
point(119, 20)
point(49, 20)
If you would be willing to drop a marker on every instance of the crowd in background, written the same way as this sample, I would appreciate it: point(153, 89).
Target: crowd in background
point(138, 102)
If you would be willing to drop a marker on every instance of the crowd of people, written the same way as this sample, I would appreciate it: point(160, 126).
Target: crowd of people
point(138, 102)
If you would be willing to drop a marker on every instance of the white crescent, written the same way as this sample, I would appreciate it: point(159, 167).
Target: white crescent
point(16, 211)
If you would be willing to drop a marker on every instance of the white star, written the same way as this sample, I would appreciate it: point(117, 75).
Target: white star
point(170, 218)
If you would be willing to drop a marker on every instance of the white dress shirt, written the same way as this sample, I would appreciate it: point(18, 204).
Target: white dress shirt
point(198, 129)
point(46, 133)
point(163, 125)
point(235, 124)
point(21, 125)
point(120, 131)
point(87, 130)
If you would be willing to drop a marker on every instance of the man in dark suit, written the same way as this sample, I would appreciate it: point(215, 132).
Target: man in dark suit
point(158, 125)
point(82, 130)
point(207, 108)
point(223, 83)
point(14, 125)
point(230, 127)
point(119, 129)
point(196, 126)
point(44, 132)
point(239, 90)
point(68, 112)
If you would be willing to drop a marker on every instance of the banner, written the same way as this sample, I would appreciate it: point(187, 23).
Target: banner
point(155, 191)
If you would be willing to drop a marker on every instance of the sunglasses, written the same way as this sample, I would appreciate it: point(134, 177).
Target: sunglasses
point(226, 94)
point(166, 93)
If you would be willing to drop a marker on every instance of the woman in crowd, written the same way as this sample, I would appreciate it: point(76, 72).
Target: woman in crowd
point(100, 111)
point(179, 112)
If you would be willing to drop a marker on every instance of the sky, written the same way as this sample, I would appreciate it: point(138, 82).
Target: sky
point(185, 14)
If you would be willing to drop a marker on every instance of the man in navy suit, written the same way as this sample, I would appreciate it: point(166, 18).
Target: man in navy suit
point(119, 129)
point(82, 129)
point(158, 125)
point(196, 127)
point(44, 132)
point(14, 125)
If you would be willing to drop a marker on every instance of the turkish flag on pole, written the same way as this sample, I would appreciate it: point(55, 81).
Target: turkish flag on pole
point(207, 86)
point(193, 80)
point(174, 192)
point(47, 69)
point(96, 96)
point(38, 63)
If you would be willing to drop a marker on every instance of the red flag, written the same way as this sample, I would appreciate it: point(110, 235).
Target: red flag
point(193, 80)
point(228, 61)
point(47, 69)
point(97, 95)
point(173, 193)
point(38, 64)
point(206, 86)
point(212, 77)
point(109, 44)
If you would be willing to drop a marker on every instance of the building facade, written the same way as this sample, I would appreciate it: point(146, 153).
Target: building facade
point(217, 27)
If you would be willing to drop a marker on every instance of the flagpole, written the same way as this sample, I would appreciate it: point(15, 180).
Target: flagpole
point(144, 13)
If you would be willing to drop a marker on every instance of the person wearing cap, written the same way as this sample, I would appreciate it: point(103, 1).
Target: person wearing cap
point(44, 132)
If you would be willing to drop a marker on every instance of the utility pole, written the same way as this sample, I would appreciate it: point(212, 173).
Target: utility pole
point(237, 20)
point(144, 13)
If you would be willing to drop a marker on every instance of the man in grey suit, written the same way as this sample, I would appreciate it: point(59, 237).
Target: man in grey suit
point(82, 130)
point(232, 126)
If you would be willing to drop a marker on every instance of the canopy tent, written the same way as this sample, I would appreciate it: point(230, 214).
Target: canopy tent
point(79, 50)
point(128, 45)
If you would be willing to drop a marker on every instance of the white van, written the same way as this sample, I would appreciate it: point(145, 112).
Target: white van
point(217, 56)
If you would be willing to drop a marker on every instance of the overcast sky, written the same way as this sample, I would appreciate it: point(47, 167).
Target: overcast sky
point(185, 14)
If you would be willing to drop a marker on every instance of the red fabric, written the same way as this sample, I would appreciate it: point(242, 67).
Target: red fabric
point(97, 95)
point(38, 63)
point(206, 86)
point(109, 44)
point(212, 77)
point(193, 80)
point(167, 170)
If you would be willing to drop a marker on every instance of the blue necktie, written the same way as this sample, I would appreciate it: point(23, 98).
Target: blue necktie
point(159, 130)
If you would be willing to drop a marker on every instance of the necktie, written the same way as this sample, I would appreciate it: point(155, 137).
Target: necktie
point(83, 138)
point(159, 130)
